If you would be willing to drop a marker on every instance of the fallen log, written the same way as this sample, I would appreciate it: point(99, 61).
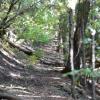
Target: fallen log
point(22, 48)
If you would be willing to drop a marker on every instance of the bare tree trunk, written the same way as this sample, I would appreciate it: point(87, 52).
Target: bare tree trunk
point(93, 66)
point(63, 30)
point(59, 42)
point(82, 12)
point(71, 31)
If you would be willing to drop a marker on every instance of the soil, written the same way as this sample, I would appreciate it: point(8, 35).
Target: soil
point(34, 82)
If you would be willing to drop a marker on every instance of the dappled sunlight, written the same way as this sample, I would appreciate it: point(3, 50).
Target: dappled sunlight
point(40, 67)
point(39, 82)
point(35, 77)
point(58, 68)
point(15, 75)
point(9, 56)
point(30, 96)
point(20, 91)
point(47, 96)
point(16, 87)
point(43, 68)
point(72, 4)
point(53, 78)
point(12, 87)
point(49, 50)
point(56, 96)
point(8, 63)
point(56, 78)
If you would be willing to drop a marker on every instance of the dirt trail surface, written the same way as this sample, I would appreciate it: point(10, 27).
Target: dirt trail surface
point(36, 82)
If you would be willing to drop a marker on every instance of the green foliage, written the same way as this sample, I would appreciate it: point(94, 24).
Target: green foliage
point(45, 16)
point(39, 28)
point(74, 72)
point(32, 59)
point(98, 52)
point(35, 57)
point(87, 72)
point(36, 35)
point(94, 19)
point(87, 40)
point(39, 53)
point(30, 66)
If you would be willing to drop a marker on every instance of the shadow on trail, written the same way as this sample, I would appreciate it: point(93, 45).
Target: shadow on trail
point(40, 82)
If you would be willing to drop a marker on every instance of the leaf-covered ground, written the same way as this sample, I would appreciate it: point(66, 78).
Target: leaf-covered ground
point(39, 81)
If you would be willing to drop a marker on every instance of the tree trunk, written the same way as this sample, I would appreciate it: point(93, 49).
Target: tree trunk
point(82, 12)
point(63, 30)
point(22, 48)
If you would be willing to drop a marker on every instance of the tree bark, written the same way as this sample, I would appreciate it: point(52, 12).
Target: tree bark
point(22, 48)
point(62, 37)
point(82, 12)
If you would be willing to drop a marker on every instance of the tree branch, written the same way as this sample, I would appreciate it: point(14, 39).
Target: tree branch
point(13, 2)
point(33, 6)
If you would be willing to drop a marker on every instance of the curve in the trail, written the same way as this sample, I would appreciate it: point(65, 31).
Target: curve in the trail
point(38, 82)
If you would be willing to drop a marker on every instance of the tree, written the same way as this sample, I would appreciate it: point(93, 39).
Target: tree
point(13, 9)
point(62, 35)
point(81, 20)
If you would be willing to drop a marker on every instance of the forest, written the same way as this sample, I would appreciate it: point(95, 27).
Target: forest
point(49, 49)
